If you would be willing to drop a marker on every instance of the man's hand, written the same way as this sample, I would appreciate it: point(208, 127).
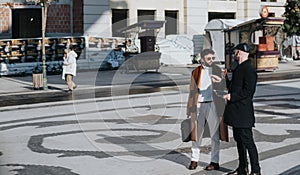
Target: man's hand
point(215, 79)
point(227, 97)
point(224, 73)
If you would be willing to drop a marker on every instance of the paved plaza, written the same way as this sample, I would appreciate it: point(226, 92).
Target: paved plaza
point(117, 123)
point(139, 133)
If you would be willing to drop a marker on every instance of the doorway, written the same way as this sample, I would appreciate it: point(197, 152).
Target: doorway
point(26, 23)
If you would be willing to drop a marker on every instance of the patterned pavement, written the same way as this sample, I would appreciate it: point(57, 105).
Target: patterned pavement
point(140, 134)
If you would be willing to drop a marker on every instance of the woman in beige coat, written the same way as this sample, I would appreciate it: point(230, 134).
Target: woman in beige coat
point(69, 68)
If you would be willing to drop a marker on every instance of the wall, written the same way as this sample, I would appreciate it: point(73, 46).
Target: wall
point(196, 16)
point(64, 18)
point(250, 8)
point(4, 20)
point(158, 5)
point(97, 14)
point(58, 20)
point(97, 18)
point(276, 7)
point(77, 16)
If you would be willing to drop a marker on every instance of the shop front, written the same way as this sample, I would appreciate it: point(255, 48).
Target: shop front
point(22, 56)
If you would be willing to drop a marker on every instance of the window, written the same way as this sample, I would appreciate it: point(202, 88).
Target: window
point(146, 15)
point(271, 14)
point(216, 15)
point(268, 0)
point(171, 26)
point(119, 20)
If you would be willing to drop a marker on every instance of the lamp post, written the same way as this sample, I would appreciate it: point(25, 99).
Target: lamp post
point(44, 4)
point(44, 18)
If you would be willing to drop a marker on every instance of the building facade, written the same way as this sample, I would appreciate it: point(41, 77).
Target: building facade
point(93, 28)
point(182, 16)
point(21, 19)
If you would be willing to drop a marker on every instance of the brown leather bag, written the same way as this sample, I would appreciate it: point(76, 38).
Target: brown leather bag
point(223, 131)
point(186, 130)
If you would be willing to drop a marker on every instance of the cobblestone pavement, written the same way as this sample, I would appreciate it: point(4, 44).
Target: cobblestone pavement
point(140, 134)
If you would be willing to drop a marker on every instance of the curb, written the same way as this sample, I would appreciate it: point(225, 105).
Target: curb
point(57, 94)
point(284, 75)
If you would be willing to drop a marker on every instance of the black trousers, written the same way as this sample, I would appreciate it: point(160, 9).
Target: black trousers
point(244, 140)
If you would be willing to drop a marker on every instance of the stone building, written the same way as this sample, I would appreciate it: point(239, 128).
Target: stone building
point(85, 23)
point(21, 19)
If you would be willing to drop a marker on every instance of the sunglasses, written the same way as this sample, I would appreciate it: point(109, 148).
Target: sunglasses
point(210, 58)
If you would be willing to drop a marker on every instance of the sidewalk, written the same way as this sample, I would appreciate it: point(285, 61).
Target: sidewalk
point(172, 75)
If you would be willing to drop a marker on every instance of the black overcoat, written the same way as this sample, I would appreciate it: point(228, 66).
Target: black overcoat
point(239, 112)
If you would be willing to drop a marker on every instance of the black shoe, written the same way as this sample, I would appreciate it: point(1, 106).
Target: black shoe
point(75, 87)
point(69, 91)
point(212, 166)
point(235, 172)
point(193, 165)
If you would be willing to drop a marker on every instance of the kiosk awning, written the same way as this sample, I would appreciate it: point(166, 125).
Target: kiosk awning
point(222, 24)
point(143, 25)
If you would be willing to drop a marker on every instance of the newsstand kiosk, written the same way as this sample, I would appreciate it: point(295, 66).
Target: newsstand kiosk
point(264, 36)
point(147, 57)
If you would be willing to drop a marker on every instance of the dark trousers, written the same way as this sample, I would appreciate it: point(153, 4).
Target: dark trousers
point(244, 140)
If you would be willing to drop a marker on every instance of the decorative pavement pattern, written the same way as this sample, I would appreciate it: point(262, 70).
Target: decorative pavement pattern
point(140, 134)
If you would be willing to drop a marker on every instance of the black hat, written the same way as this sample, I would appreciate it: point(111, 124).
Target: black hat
point(243, 47)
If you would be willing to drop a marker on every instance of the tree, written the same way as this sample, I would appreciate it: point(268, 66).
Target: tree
point(292, 14)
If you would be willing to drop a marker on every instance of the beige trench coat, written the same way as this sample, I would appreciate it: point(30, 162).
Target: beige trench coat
point(192, 106)
point(70, 63)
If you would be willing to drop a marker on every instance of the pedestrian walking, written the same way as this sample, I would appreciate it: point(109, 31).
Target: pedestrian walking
point(239, 112)
point(201, 108)
point(69, 68)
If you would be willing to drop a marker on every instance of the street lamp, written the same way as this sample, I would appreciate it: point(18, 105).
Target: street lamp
point(44, 4)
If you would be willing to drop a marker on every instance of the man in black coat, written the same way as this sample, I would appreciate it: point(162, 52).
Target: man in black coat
point(239, 112)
